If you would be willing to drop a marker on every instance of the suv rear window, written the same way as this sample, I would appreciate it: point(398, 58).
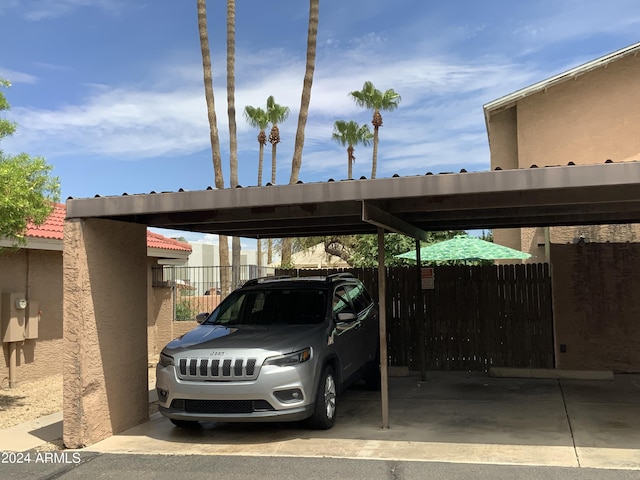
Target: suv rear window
point(294, 306)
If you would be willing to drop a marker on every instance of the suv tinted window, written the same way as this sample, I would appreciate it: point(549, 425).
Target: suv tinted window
point(359, 297)
point(271, 306)
point(341, 303)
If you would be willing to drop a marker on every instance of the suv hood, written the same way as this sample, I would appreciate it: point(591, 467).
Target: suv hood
point(280, 338)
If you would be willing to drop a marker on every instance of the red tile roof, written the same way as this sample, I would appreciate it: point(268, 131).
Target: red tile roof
point(53, 228)
point(155, 240)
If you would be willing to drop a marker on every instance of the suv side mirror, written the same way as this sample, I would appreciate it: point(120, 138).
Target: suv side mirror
point(201, 317)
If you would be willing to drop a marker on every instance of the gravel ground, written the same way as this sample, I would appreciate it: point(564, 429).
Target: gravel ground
point(31, 400)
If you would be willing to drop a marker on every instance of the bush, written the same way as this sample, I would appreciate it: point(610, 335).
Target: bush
point(184, 311)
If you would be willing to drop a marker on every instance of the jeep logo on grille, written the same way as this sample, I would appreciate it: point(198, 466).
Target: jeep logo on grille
point(216, 354)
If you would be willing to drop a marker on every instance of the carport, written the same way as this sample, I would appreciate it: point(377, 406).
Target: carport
point(105, 357)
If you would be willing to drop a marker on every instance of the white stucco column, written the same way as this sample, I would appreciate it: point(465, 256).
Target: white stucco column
point(105, 329)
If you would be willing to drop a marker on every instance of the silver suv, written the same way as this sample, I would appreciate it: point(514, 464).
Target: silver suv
point(276, 349)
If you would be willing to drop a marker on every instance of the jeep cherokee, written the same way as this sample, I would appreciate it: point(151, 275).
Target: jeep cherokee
point(276, 349)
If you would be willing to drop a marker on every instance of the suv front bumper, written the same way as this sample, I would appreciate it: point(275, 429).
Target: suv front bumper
point(277, 394)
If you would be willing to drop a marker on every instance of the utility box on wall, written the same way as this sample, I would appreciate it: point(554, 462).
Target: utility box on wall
point(13, 315)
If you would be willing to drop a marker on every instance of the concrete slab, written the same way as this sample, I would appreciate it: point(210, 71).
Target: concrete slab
point(506, 372)
point(35, 433)
point(31, 434)
point(451, 417)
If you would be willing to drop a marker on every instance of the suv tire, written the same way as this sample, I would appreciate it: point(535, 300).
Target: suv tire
point(324, 413)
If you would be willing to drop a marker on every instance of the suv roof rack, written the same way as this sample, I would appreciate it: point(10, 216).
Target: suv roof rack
point(328, 278)
point(340, 275)
point(255, 281)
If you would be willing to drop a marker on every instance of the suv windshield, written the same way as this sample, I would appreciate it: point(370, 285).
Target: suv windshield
point(265, 306)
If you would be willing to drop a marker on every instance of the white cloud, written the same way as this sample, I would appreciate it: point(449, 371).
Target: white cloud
point(38, 10)
point(441, 100)
point(573, 20)
point(17, 77)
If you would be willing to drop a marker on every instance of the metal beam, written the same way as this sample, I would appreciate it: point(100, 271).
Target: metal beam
point(382, 317)
point(376, 216)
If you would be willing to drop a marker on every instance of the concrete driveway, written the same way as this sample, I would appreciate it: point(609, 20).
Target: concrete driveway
point(450, 417)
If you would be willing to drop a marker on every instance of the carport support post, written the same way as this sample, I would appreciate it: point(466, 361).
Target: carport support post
point(382, 302)
point(420, 316)
point(105, 329)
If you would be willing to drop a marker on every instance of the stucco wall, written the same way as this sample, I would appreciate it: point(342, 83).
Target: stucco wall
point(105, 329)
point(586, 120)
point(38, 274)
point(42, 358)
point(162, 331)
point(596, 298)
point(504, 139)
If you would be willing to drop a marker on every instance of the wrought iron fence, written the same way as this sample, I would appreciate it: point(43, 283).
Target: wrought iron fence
point(200, 289)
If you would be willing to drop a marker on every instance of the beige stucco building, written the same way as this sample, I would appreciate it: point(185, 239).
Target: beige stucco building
point(36, 270)
point(587, 115)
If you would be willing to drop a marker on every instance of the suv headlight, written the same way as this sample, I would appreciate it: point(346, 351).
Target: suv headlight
point(294, 358)
point(165, 360)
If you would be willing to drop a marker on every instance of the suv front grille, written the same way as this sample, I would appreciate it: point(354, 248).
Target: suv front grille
point(217, 369)
point(224, 406)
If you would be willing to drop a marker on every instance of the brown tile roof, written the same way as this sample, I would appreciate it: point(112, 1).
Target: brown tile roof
point(53, 228)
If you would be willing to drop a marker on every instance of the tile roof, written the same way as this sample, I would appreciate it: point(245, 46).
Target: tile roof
point(155, 240)
point(53, 228)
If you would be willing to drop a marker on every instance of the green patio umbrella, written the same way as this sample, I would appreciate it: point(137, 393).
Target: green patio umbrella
point(464, 247)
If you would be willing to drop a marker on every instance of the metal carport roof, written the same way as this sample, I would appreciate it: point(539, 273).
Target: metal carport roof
point(567, 195)
point(548, 196)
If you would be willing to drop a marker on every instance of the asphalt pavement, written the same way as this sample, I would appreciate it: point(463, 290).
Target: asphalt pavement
point(188, 467)
point(453, 425)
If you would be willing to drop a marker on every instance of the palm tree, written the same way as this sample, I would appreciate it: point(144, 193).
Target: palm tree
point(233, 139)
point(373, 99)
point(312, 35)
point(277, 114)
point(258, 118)
point(223, 244)
point(296, 161)
point(350, 133)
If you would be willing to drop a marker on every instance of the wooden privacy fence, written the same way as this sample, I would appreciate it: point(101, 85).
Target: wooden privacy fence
point(474, 317)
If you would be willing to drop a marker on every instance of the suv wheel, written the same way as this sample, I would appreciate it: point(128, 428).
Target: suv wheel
point(324, 414)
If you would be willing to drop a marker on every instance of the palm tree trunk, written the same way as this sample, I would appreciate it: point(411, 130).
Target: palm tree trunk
point(374, 162)
point(233, 139)
point(223, 244)
point(208, 93)
point(259, 242)
point(260, 162)
point(273, 163)
point(350, 168)
point(231, 92)
point(296, 162)
point(273, 182)
point(312, 35)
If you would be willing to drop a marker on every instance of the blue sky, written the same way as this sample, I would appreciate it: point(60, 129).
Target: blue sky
point(110, 91)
